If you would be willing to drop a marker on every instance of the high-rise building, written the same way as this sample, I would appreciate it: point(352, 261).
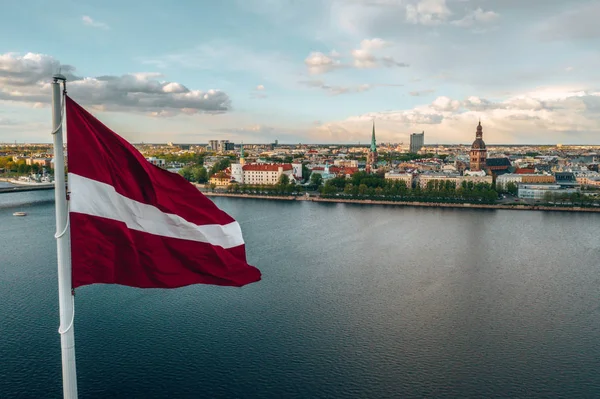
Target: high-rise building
point(214, 145)
point(478, 151)
point(372, 155)
point(417, 141)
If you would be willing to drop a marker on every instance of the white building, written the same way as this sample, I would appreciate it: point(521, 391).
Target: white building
point(261, 173)
point(426, 177)
point(527, 178)
point(405, 177)
point(157, 161)
point(537, 191)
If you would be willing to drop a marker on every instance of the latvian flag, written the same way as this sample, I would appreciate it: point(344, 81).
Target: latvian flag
point(135, 224)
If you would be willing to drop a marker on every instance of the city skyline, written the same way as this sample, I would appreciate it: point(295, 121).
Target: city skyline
point(317, 71)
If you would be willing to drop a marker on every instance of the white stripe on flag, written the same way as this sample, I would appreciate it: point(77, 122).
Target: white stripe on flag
point(94, 198)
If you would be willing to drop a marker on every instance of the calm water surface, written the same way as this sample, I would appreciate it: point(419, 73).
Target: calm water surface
point(356, 302)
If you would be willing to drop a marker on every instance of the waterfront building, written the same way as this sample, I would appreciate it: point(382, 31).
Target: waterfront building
point(264, 173)
point(530, 178)
point(425, 178)
point(220, 179)
point(475, 179)
point(405, 177)
point(478, 155)
point(537, 191)
point(372, 154)
point(455, 178)
point(417, 141)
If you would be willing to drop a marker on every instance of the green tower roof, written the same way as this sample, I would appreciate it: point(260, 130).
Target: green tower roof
point(373, 143)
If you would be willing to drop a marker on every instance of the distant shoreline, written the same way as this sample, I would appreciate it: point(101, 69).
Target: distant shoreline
point(409, 203)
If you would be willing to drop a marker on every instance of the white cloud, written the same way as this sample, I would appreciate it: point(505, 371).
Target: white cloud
point(95, 24)
point(474, 17)
point(373, 44)
point(363, 59)
point(318, 63)
point(27, 78)
point(364, 56)
point(428, 12)
point(260, 87)
point(444, 103)
point(564, 114)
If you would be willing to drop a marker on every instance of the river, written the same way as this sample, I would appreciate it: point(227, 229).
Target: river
point(356, 301)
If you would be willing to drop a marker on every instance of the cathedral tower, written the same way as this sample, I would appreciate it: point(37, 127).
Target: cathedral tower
point(478, 151)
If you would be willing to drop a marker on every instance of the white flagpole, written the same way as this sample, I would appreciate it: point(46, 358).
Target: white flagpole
point(63, 248)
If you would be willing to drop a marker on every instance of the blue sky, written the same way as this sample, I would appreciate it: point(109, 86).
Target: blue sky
point(310, 71)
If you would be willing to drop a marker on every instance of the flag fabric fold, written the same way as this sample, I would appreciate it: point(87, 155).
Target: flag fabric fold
point(135, 224)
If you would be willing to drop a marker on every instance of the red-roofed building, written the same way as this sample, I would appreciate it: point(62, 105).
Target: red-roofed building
point(339, 171)
point(525, 171)
point(220, 179)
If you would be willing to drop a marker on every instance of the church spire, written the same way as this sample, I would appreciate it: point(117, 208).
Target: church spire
point(373, 143)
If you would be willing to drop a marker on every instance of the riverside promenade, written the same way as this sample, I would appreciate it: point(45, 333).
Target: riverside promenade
point(521, 207)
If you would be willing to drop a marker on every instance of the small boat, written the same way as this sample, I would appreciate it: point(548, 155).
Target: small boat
point(19, 214)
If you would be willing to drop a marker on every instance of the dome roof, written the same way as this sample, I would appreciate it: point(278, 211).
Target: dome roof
point(478, 144)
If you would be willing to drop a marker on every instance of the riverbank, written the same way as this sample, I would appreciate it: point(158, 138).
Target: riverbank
point(25, 183)
point(274, 197)
point(520, 207)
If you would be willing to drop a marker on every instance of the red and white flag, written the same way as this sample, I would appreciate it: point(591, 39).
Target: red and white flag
point(135, 224)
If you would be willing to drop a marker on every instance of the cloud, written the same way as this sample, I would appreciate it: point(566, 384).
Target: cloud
point(389, 62)
point(336, 90)
point(444, 103)
point(563, 114)
point(258, 93)
point(272, 68)
point(26, 79)
point(260, 133)
point(319, 63)
point(474, 17)
point(363, 57)
point(88, 21)
point(428, 12)
point(577, 23)
point(374, 44)
point(419, 93)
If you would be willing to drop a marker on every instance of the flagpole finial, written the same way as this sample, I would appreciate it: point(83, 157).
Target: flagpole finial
point(58, 76)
